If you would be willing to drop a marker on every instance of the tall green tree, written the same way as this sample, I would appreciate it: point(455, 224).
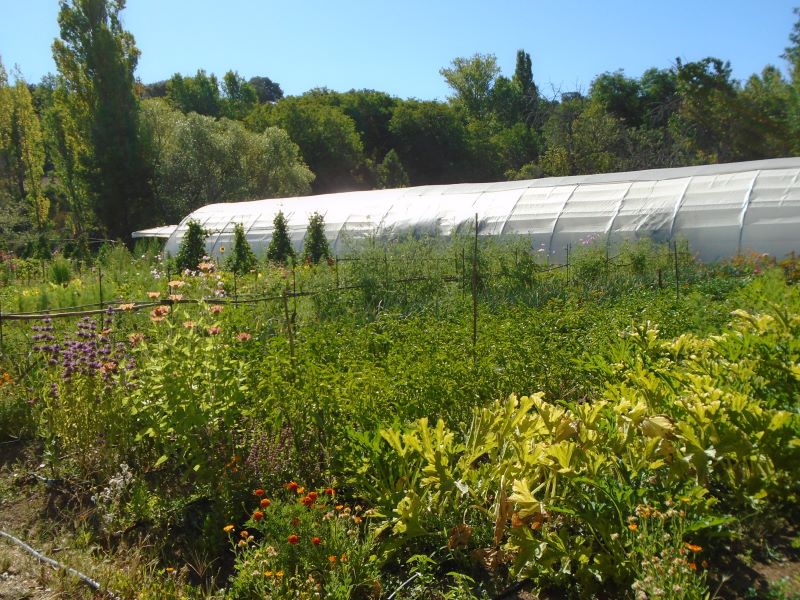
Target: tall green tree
point(198, 94)
point(471, 80)
point(27, 154)
point(239, 96)
point(266, 89)
point(328, 140)
point(196, 160)
point(96, 58)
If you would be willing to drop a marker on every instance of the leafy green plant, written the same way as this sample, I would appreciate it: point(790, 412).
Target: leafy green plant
point(192, 247)
point(315, 247)
point(241, 259)
point(280, 248)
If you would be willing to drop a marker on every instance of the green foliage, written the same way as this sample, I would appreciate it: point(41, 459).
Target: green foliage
point(315, 246)
point(192, 247)
point(391, 173)
point(241, 260)
point(327, 137)
point(198, 94)
point(303, 539)
point(280, 248)
point(471, 79)
point(198, 160)
point(96, 60)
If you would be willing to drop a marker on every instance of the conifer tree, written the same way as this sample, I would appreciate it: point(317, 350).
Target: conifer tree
point(241, 259)
point(193, 247)
point(316, 244)
point(280, 247)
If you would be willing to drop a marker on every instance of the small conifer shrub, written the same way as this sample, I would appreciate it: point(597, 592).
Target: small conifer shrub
point(192, 247)
point(280, 247)
point(316, 244)
point(241, 260)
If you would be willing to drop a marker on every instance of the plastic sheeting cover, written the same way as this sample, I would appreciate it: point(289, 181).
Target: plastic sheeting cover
point(722, 210)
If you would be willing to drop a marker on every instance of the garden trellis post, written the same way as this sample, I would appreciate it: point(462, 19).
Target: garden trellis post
point(475, 291)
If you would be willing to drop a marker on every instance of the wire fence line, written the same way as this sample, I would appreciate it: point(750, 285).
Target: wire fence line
point(469, 278)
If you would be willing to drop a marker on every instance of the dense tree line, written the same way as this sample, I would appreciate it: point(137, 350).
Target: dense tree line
point(93, 152)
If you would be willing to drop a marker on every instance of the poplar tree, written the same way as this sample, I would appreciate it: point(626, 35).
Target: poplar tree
point(96, 59)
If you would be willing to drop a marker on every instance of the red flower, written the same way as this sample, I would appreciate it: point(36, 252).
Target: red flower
point(307, 501)
point(329, 491)
point(293, 539)
point(259, 492)
point(312, 495)
point(316, 541)
point(258, 515)
point(292, 486)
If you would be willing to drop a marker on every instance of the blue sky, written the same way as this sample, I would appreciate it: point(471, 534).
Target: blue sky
point(399, 47)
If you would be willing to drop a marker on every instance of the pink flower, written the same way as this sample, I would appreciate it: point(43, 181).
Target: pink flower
point(216, 309)
point(244, 337)
point(214, 330)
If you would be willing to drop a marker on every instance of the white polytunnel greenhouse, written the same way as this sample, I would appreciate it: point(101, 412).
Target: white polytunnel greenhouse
point(721, 210)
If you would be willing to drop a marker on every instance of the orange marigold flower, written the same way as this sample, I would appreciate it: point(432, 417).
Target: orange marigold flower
point(693, 566)
point(633, 527)
point(343, 558)
point(278, 573)
point(332, 559)
point(258, 515)
point(258, 492)
point(312, 495)
point(292, 486)
point(293, 538)
point(228, 528)
point(301, 490)
point(329, 491)
point(265, 502)
point(357, 519)
point(244, 533)
point(267, 573)
point(306, 501)
point(693, 547)
point(316, 540)
point(339, 506)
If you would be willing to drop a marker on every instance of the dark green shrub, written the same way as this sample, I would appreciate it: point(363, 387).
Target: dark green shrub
point(192, 248)
point(280, 247)
point(241, 260)
point(316, 244)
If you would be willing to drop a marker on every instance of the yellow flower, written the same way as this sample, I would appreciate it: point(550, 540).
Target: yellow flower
point(222, 249)
point(228, 528)
point(693, 547)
